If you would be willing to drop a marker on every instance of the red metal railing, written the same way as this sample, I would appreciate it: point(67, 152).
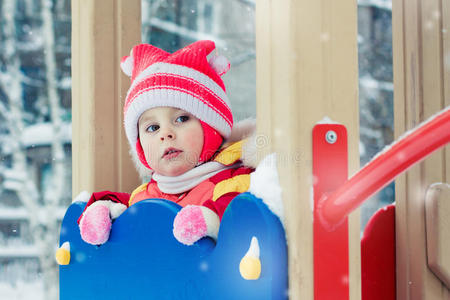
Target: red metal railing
point(409, 150)
point(335, 196)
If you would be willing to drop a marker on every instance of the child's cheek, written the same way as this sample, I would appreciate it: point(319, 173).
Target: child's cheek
point(150, 149)
point(195, 141)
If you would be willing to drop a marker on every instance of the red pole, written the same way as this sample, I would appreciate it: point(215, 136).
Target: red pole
point(330, 171)
point(401, 155)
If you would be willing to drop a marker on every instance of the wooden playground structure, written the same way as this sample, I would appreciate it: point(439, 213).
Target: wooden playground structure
point(306, 54)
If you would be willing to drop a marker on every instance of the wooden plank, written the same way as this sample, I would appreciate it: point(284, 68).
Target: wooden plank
point(438, 230)
point(420, 86)
point(446, 71)
point(433, 99)
point(446, 53)
point(306, 70)
point(401, 65)
point(405, 64)
point(128, 34)
point(399, 125)
point(101, 32)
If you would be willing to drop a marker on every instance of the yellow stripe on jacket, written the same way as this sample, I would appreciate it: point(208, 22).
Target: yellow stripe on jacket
point(231, 154)
point(239, 184)
point(141, 188)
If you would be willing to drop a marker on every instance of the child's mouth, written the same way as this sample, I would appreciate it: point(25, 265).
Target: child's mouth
point(171, 153)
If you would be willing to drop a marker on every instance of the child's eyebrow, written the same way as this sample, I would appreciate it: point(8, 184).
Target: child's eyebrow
point(146, 118)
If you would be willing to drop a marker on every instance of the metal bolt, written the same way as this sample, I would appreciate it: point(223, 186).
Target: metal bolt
point(331, 137)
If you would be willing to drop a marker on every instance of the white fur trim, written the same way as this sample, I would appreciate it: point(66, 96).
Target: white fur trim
point(250, 155)
point(115, 209)
point(246, 129)
point(144, 173)
point(242, 130)
point(212, 222)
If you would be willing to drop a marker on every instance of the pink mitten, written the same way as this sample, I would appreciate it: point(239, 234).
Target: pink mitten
point(95, 224)
point(194, 222)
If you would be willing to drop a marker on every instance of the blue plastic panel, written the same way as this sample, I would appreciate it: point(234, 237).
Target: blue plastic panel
point(142, 259)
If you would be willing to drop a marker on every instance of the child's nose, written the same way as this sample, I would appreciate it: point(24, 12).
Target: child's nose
point(168, 134)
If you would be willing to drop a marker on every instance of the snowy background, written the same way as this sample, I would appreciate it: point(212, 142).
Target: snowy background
point(35, 111)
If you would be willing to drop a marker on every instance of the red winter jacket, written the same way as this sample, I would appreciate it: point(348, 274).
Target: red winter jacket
point(215, 193)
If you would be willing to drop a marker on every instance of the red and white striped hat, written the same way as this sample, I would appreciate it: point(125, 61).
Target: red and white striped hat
point(184, 80)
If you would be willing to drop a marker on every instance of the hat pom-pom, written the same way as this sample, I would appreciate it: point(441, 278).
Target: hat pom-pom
point(127, 65)
point(220, 64)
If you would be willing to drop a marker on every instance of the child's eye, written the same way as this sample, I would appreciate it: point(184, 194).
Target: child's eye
point(152, 128)
point(182, 119)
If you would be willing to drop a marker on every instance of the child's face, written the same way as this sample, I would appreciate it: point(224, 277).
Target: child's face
point(172, 140)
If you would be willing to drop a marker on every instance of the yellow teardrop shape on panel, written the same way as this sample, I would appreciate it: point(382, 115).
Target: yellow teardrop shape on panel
point(250, 268)
point(62, 256)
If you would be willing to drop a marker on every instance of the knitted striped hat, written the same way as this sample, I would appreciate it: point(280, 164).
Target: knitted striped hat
point(184, 80)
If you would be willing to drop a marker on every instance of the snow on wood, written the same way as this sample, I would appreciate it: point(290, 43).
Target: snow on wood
point(327, 120)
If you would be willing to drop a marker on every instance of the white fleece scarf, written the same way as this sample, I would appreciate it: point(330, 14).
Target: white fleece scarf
point(186, 181)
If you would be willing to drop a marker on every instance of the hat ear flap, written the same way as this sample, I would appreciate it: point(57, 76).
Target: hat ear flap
point(126, 64)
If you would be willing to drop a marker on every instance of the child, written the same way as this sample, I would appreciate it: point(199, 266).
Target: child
point(176, 117)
